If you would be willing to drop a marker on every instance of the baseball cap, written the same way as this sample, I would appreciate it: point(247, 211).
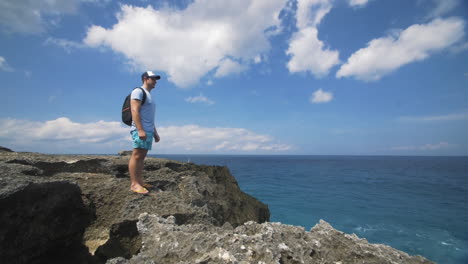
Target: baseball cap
point(150, 74)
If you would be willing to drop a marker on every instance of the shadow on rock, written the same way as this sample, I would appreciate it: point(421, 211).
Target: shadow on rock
point(43, 223)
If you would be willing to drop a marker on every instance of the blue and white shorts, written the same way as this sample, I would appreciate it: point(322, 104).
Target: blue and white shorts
point(142, 144)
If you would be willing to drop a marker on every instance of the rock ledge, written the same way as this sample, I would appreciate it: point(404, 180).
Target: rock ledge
point(79, 209)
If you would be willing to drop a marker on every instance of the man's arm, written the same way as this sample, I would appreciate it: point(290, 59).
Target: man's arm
point(156, 136)
point(136, 106)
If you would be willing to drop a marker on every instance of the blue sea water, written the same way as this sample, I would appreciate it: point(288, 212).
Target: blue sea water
point(415, 204)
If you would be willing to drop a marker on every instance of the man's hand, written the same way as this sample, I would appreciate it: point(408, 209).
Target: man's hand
point(156, 138)
point(142, 135)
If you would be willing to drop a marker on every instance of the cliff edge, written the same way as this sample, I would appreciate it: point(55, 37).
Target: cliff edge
point(79, 209)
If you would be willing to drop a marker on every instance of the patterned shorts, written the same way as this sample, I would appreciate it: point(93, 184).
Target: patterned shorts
point(142, 144)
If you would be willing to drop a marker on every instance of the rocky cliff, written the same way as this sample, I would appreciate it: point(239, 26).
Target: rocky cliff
point(78, 209)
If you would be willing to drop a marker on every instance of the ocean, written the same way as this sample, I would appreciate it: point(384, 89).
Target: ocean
point(415, 204)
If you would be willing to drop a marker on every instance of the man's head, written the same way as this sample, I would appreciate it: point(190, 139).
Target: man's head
point(149, 79)
point(149, 74)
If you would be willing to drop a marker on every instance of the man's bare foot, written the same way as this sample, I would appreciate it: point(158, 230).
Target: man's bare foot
point(139, 189)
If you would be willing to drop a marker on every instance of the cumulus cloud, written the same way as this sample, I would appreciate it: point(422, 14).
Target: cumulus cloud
point(436, 118)
point(426, 147)
point(384, 55)
point(307, 52)
point(4, 65)
point(33, 16)
point(194, 138)
point(321, 96)
point(61, 129)
point(189, 43)
point(63, 135)
point(228, 66)
point(311, 12)
point(199, 99)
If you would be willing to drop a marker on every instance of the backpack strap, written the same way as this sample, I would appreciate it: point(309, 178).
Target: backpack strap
point(144, 95)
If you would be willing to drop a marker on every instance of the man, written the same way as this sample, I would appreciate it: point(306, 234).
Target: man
point(143, 130)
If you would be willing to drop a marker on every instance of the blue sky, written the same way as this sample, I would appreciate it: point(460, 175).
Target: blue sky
point(320, 77)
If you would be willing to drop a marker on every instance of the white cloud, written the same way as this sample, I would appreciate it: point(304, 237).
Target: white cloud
point(199, 99)
point(4, 65)
point(358, 2)
point(195, 139)
point(443, 7)
point(228, 66)
point(436, 118)
point(33, 16)
point(321, 96)
point(384, 55)
point(61, 129)
point(189, 43)
point(425, 147)
point(311, 12)
point(62, 135)
point(67, 45)
point(307, 52)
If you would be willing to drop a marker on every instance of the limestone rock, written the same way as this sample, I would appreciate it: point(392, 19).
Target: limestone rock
point(193, 194)
point(166, 242)
point(124, 240)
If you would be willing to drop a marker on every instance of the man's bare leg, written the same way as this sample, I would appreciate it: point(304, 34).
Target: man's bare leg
point(135, 168)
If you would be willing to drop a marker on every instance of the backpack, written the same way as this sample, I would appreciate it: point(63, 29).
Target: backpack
point(126, 110)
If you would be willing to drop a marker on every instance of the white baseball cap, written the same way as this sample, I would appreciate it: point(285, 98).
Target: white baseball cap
point(150, 74)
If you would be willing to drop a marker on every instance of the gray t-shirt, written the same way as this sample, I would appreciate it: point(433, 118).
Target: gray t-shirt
point(147, 110)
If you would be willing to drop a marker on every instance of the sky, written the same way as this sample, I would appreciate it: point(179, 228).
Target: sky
point(280, 77)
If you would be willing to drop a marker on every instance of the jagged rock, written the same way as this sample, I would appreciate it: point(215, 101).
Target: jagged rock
point(124, 240)
point(166, 242)
point(125, 153)
point(193, 194)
